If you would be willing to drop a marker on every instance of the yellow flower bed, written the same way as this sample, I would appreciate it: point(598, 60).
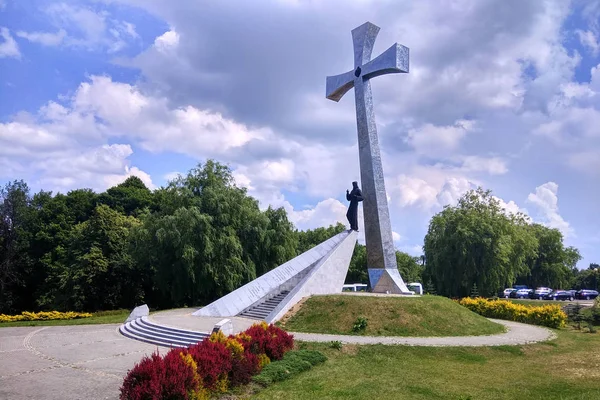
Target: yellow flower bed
point(548, 315)
point(43, 316)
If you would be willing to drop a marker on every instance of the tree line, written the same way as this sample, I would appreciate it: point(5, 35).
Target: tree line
point(185, 244)
point(478, 243)
point(201, 236)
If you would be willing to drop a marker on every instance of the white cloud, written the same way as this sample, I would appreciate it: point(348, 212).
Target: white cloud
point(169, 176)
point(327, 212)
point(167, 41)
point(435, 140)
point(589, 40)
point(586, 161)
point(453, 190)
point(545, 199)
point(8, 45)
point(99, 168)
point(492, 165)
point(44, 38)
point(83, 27)
point(512, 208)
point(396, 236)
point(413, 191)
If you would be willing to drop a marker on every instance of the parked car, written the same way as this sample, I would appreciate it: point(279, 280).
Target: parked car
point(506, 293)
point(560, 295)
point(521, 294)
point(540, 292)
point(586, 294)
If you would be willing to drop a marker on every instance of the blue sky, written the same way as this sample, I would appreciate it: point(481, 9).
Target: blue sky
point(503, 94)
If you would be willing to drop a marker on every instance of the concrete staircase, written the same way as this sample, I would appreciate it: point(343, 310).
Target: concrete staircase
point(260, 311)
point(145, 331)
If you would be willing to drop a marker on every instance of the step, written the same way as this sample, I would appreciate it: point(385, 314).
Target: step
point(173, 331)
point(133, 336)
point(146, 321)
point(153, 336)
point(156, 339)
point(136, 326)
point(253, 317)
point(263, 308)
point(255, 314)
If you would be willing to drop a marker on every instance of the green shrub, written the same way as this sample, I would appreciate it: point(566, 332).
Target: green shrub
point(360, 324)
point(291, 364)
point(336, 344)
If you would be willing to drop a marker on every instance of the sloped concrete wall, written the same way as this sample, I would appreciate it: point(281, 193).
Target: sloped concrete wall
point(273, 282)
point(327, 277)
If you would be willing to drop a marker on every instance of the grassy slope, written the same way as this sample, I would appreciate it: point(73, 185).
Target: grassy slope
point(389, 316)
point(566, 368)
point(102, 317)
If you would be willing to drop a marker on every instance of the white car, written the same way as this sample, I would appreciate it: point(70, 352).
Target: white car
point(507, 292)
point(523, 293)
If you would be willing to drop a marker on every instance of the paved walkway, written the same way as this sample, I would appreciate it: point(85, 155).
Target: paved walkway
point(517, 334)
point(66, 362)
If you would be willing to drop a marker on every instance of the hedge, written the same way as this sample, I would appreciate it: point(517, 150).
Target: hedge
point(43, 316)
point(551, 316)
point(208, 368)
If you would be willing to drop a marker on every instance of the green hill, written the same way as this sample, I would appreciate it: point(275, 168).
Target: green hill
point(388, 316)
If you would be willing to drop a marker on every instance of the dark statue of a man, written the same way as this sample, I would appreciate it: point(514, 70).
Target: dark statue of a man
point(353, 197)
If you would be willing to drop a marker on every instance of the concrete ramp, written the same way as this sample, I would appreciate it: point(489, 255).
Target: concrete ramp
point(320, 270)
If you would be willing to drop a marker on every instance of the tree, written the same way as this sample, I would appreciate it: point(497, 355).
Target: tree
point(409, 267)
point(95, 271)
point(553, 265)
point(312, 237)
point(130, 197)
point(430, 287)
point(476, 242)
point(207, 237)
point(357, 272)
point(15, 263)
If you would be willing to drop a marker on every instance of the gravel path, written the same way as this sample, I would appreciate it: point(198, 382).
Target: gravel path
point(517, 334)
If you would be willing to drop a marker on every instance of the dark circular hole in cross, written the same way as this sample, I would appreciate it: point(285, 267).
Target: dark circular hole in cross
point(357, 72)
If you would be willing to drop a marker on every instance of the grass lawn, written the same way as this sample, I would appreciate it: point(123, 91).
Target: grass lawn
point(389, 316)
point(567, 368)
point(101, 317)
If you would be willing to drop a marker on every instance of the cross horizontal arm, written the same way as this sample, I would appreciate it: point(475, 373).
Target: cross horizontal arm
point(393, 60)
point(338, 85)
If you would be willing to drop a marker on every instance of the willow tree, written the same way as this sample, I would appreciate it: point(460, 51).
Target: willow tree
point(477, 242)
point(207, 237)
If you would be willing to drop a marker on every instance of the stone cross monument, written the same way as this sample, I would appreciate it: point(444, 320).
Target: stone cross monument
point(381, 254)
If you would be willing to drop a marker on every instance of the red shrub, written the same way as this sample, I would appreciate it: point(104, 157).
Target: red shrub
point(243, 368)
point(279, 343)
point(179, 378)
point(271, 340)
point(212, 364)
point(143, 381)
point(213, 359)
point(160, 378)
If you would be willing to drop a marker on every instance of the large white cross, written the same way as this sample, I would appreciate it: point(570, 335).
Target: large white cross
point(381, 253)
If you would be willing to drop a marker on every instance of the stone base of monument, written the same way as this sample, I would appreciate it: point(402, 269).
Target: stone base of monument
point(387, 281)
point(320, 270)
